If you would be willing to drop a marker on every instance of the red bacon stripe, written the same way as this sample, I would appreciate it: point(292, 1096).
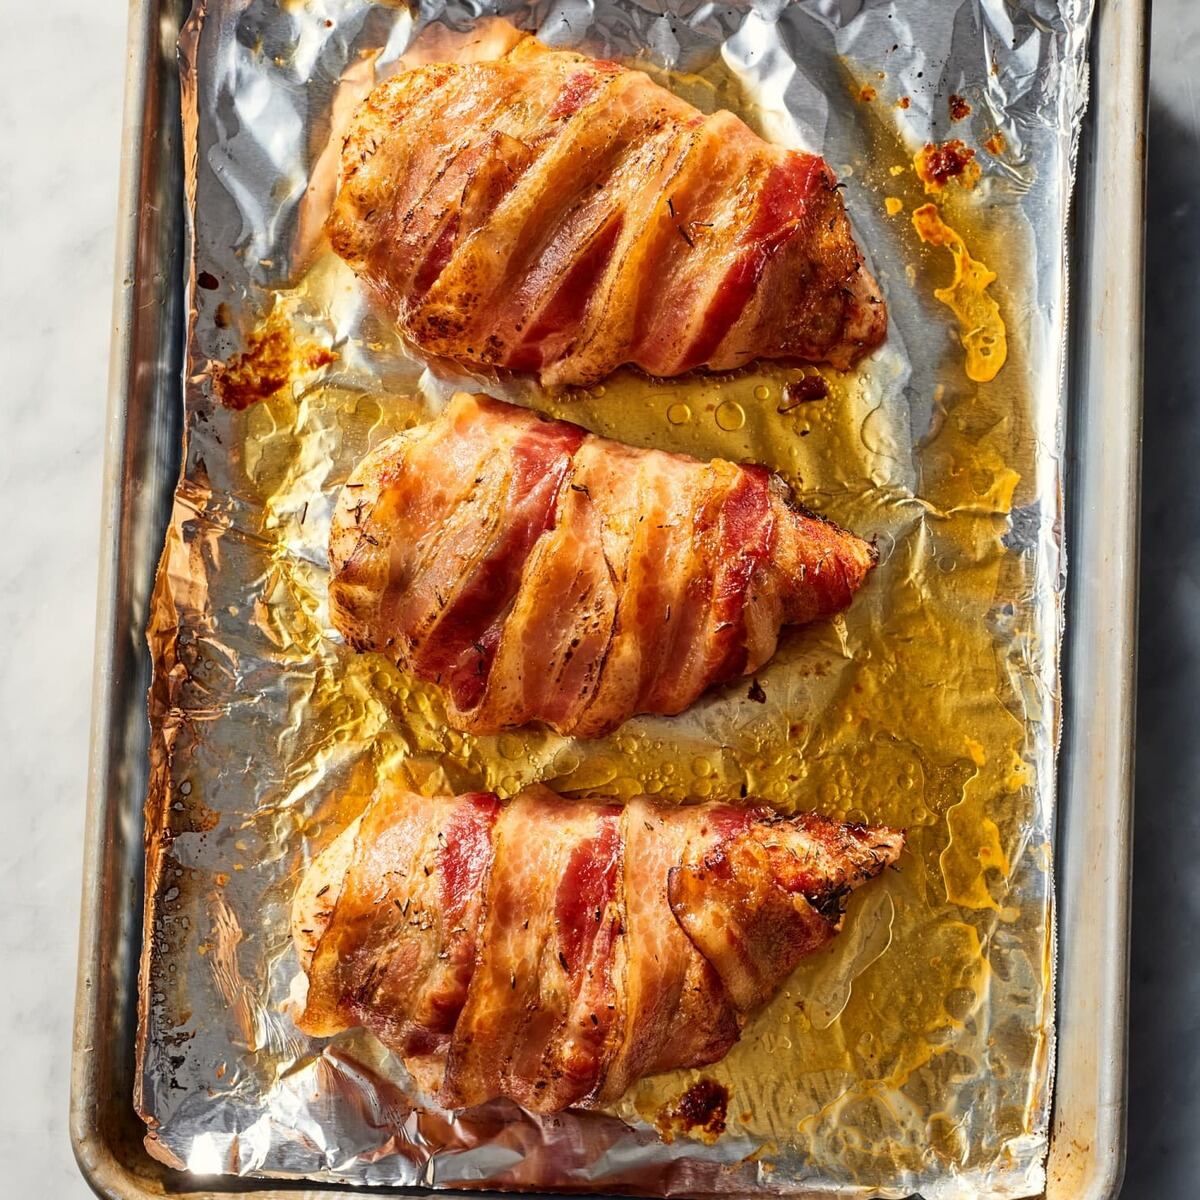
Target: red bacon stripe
point(570, 301)
point(466, 852)
point(460, 654)
point(781, 206)
point(579, 88)
point(587, 888)
point(745, 545)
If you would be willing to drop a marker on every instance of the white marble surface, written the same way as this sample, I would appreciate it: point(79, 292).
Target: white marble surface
point(60, 118)
point(59, 143)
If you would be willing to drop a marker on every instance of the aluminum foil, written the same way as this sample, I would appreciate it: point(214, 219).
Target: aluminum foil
point(915, 1054)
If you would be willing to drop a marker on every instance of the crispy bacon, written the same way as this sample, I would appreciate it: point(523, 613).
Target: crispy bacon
point(554, 951)
point(547, 212)
point(538, 573)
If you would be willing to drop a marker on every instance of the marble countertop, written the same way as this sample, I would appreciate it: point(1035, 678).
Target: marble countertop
point(59, 145)
point(60, 139)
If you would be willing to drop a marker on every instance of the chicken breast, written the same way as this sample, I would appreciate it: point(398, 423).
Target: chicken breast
point(535, 572)
point(554, 951)
point(551, 213)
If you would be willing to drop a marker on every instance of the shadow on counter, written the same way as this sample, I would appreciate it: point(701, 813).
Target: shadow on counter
point(1164, 1069)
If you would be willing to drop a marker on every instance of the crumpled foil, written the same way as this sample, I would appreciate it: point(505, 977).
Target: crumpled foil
point(914, 1054)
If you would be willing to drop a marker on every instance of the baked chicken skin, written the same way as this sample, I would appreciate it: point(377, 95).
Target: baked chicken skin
point(550, 213)
point(536, 572)
point(555, 951)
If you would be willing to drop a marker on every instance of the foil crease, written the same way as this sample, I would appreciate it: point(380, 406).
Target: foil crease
point(916, 1053)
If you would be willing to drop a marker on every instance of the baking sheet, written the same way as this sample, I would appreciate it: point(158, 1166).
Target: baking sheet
point(916, 1053)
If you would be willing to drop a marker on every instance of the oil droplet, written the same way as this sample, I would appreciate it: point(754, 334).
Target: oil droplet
point(730, 415)
point(762, 392)
point(959, 1003)
point(679, 414)
point(702, 787)
point(981, 481)
point(510, 745)
point(702, 767)
point(566, 761)
point(598, 391)
point(510, 783)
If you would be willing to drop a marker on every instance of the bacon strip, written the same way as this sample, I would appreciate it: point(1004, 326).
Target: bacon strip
point(405, 922)
point(553, 951)
point(546, 212)
point(542, 1004)
point(537, 573)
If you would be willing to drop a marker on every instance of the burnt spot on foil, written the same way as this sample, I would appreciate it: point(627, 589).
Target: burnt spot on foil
point(700, 1112)
point(938, 165)
point(271, 360)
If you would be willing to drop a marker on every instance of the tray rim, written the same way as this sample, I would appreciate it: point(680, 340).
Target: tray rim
point(1087, 1138)
point(100, 1162)
point(1094, 863)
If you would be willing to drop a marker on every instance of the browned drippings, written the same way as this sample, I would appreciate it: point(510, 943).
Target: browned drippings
point(959, 108)
point(699, 1112)
point(953, 160)
point(270, 361)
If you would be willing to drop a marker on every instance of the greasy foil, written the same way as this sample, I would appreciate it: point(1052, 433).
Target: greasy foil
point(915, 1053)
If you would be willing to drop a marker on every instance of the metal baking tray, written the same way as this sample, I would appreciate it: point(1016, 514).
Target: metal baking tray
point(1094, 822)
